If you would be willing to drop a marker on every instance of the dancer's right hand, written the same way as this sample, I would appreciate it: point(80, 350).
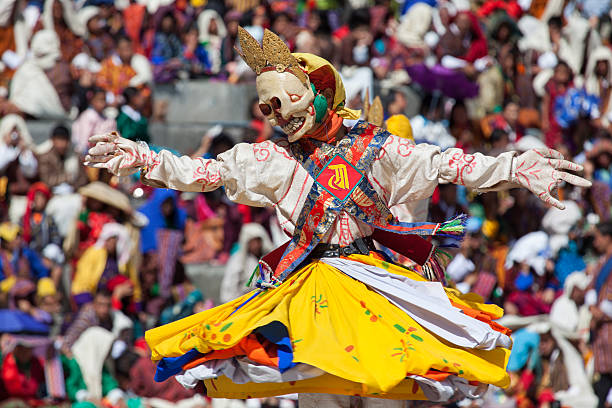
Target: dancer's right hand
point(118, 155)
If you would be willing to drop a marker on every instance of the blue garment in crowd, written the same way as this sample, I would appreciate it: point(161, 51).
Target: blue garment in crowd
point(153, 210)
point(37, 267)
point(409, 3)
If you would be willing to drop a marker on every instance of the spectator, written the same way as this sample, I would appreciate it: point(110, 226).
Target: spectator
point(41, 86)
point(195, 56)
point(116, 72)
point(598, 80)
point(556, 87)
point(569, 312)
point(17, 163)
point(88, 377)
point(22, 375)
point(60, 16)
point(167, 50)
point(601, 309)
point(59, 166)
point(211, 34)
point(102, 263)
point(98, 41)
point(91, 122)
point(131, 122)
point(39, 229)
point(96, 313)
point(253, 244)
point(17, 261)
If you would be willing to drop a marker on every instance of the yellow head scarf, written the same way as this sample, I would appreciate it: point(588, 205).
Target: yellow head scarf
point(9, 231)
point(312, 63)
point(45, 287)
point(399, 125)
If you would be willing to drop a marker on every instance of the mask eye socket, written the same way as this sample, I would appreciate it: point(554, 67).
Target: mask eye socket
point(294, 97)
point(265, 109)
point(276, 103)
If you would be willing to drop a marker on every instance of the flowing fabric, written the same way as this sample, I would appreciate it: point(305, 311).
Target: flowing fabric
point(360, 337)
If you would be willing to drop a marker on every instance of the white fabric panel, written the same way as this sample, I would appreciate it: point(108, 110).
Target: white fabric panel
point(427, 303)
point(242, 370)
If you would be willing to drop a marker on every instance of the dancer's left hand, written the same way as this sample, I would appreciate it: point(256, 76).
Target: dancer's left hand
point(541, 171)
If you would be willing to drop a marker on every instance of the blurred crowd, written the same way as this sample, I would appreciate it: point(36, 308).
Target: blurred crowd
point(89, 261)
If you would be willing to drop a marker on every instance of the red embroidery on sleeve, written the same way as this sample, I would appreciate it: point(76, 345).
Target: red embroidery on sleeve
point(405, 147)
point(206, 176)
point(462, 163)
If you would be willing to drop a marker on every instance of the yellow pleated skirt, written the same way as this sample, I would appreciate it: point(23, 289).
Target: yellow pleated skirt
point(366, 345)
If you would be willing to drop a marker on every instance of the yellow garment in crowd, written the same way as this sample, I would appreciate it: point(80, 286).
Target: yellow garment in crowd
point(90, 268)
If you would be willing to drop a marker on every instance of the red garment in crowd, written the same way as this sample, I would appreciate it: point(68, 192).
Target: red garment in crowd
point(35, 188)
point(134, 16)
point(511, 7)
point(478, 46)
point(17, 384)
point(91, 228)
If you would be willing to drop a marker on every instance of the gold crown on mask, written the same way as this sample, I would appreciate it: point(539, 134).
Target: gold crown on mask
point(373, 113)
point(274, 55)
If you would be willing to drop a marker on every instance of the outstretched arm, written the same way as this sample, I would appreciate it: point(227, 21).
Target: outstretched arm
point(123, 157)
point(417, 169)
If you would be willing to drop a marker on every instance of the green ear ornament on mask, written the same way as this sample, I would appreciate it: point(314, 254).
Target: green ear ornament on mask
point(320, 105)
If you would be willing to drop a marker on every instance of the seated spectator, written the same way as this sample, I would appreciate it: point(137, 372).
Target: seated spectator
point(22, 375)
point(464, 41)
point(17, 261)
point(569, 313)
point(88, 378)
point(131, 123)
point(598, 81)
point(60, 16)
point(91, 122)
point(22, 297)
point(428, 126)
point(116, 72)
point(212, 31)
point(101, 204)
point(165, 230)
point(96, 313)
point(58, 164)
point(204, 235)
point(167, 50)
point(41, 87)
point(600, 300)
point(195, 57)
point(17, 163)
point(101, 264)
point(84, 70)
point(98, 41)
point(39, 229)
point(253, 244)
point(557, 86)
point(13, 42)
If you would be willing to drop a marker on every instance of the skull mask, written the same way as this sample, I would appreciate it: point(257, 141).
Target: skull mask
point(286, 102)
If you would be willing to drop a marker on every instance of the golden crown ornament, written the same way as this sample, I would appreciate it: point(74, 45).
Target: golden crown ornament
point(274, 55)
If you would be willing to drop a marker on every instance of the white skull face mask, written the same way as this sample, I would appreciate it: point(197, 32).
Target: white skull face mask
point(286, 102)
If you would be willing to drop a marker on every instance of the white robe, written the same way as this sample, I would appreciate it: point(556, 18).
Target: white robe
point(266, 175)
